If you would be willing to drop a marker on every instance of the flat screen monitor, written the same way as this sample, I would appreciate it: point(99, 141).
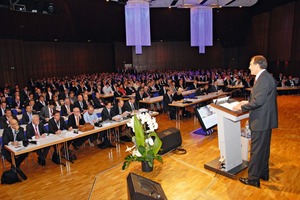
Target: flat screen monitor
point(206, 117)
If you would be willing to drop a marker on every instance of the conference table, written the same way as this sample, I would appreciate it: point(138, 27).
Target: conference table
point(194, 101)
point(157, 99)
point(63, 138)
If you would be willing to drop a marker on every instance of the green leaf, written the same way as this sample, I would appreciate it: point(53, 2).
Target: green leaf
point(150, 156)
point(159, 158)
point(139, 132)
point(157, 143)
point(142, 150)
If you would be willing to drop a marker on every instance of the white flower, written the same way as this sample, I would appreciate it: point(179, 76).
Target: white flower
point(131, 124)
point(136, 153)
point(150, 141)
point(129, 148)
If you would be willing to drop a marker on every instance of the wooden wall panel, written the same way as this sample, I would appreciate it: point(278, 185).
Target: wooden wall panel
point(259, 34)
point(177, 55)
point(281, 32)
point(48, 59)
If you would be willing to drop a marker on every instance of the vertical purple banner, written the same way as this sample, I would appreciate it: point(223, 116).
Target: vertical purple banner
point(137, 21)
point(201, 27)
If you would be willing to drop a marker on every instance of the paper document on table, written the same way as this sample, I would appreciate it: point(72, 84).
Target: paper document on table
point(229, 106)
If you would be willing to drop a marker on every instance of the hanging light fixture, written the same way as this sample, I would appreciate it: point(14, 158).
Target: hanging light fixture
point(137, 24)
point(201, 27)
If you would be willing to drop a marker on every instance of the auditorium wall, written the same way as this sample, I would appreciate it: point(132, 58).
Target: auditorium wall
point(22, 60)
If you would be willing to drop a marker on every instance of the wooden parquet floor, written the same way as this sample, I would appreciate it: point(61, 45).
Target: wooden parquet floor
point(97, 173)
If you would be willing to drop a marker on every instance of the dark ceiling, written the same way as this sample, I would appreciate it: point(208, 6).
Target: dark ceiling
point(102, 21)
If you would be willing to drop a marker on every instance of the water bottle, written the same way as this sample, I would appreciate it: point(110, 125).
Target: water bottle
point(247, 125)
point(247, 130)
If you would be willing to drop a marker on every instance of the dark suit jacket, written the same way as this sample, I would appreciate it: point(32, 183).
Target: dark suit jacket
point(30, 132)
point(130, 90)
point(105, 114)
point(193, 86)
point(177, 97)
point(199, 92)
point(166, 102)
point(98, 103)
point(9, 137)
point(72, 121)
point(3, 121)
point(53, 126)
point(117, 94)
point(15, 105)
point(212, 88)
point(25, 118)
point(38, 106)
point(263, 104)
point(84, 105)
point(115, 110)
point(127, 106)
point(64, 111)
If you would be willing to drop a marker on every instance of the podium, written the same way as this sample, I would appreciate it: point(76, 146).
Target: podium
point(230, 161)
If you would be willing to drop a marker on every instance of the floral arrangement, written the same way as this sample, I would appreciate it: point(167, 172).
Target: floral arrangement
point(146, 142)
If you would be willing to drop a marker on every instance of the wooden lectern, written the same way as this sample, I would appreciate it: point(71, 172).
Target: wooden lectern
point(229, 137)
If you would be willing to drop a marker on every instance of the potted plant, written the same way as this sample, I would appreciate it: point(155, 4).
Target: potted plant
point(146, 142)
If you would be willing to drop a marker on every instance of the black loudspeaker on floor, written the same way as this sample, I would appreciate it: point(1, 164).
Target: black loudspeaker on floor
point(171, 139)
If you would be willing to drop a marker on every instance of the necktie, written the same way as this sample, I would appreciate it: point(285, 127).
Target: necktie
point(132, 106)
point(77, 121)
point(58, 124)
point(80, 104)
point(15, 135)
point(36, 131)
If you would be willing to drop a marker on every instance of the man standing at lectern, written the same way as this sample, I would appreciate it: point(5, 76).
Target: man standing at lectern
point(262, 119)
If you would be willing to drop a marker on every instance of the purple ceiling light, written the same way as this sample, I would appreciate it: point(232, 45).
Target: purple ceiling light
point(201, 27)
point(137, 19)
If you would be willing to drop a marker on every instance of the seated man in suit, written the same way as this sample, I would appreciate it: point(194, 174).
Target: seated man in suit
point(139, 96)
point(14, 135)
point(27, 115)
point(38, 130)
point(74, 120)
point(47, 112)
point(167, 99)
point(57, 124)
point(213, 88)
point(80, 103)
point(130, 105)
point(194, 85)
point(40, 103)
point(17, 104)
point(4, 120)
point(67, 108)
point(3, 108)
point(106, 114)
point(202, 91)
point(97, 101)
point(117, 111)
